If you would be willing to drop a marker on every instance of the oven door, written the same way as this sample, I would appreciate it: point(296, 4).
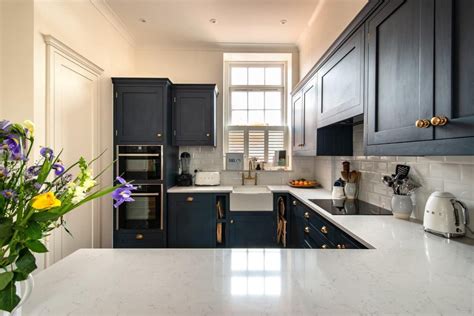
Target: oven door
point(146, 212)
point(140, 163)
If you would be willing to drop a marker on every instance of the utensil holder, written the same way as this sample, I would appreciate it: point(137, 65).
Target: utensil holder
point(402, 206)
point(351, 190)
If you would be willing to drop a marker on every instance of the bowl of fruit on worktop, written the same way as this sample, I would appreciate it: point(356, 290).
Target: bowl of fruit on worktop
point(303, 183)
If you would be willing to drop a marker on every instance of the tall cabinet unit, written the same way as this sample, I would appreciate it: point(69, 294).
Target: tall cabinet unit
point(304, 120)
point(144, 154)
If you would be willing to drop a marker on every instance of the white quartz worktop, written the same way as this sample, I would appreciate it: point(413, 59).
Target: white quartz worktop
point(408, 272)
point(201, 189)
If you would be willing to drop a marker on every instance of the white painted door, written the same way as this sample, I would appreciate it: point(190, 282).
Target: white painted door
point(72, 127)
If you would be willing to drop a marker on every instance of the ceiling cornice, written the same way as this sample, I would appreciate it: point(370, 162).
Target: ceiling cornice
point(103, 7)
point(238, 47)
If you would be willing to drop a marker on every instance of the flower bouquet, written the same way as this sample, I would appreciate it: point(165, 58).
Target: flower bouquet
point(33, 199)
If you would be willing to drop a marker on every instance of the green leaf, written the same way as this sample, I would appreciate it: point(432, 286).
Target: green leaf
point(36, 246)
point(26, 263)
point(45, 216)
point(5, 278)
point(6, 230)
point(8, 298)
point(34, 230)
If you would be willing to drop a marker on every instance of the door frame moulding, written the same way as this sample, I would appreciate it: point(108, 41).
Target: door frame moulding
point(54, 49)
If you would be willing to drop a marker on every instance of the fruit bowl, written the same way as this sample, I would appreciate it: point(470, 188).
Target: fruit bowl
point(302, 183)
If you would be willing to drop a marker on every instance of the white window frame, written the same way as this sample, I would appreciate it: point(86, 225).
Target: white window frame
point(228, 88)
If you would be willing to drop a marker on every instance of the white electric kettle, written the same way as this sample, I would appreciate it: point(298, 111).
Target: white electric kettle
point(444, 215)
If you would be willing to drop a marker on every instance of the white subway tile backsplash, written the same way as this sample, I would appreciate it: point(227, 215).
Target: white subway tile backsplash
point(445, 171)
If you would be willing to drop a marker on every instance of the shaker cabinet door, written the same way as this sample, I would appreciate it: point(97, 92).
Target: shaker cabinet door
point(454, 91)
point(400, 60)
point(340, 82)
point(139, 114)
point(298, 122)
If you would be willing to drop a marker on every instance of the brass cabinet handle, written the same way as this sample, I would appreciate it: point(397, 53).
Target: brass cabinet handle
point(306, 229)
point(189, 199)
point(325, 246)
point(439, 120)
point(139, 237)
point(423, 123)
point(294, 203)
point(208, 134)
point(232, 221)
point(158, 135)
point(306, 214)
point(324, 230)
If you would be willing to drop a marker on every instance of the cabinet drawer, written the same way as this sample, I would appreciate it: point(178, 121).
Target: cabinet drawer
point(321, 225)
point(315, 238)
point(139, 239)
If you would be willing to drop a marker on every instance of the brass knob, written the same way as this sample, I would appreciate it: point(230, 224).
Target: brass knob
point(189, 199)
point(422, 123)
point(306, 214)
point(232, 221)
point(439, 120)
point(158, 135)
point(294, 202)
point(324, 230)
point(339, 246)
point(306, 230)
point(208, 134)
point(139, 237)
point(325, 246)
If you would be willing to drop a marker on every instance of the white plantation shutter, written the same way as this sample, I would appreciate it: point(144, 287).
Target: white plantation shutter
point(256, 144)
point(276, 141)
point(236, 141)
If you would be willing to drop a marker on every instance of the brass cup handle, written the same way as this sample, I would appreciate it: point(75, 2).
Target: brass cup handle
point(325, 246)
point(189, 199)
point(139, 236)
point(439, 120)
point(306, 214)
point(423, 123)
point(324, 230)
point(339, 246)
point(306, 230)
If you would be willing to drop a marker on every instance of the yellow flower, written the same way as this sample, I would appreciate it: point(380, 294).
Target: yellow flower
point(45, 201)
point(30, 126)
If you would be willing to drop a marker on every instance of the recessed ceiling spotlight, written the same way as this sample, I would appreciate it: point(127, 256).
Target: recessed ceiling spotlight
point(142, 20)
point(283, 21)
point(213, 21)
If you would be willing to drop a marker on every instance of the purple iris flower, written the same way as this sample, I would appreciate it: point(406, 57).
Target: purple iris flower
point(37, 186)
point(126, 184)
point(47, 153)
point(12, 143)
point(5, 125)
point(58, 169)
point(122, 195)
point(4, 172)
point(8, 194)
point(33, 171)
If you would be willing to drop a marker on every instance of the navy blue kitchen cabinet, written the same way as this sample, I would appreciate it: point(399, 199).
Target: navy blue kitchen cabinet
point(340, 82)
point(297, 224)
point(191, 220)
point(141, 110)
point(194, 114)
point(419, 78)
point(252, 230)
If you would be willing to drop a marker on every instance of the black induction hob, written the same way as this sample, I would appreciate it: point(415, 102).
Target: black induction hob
point(350, 207)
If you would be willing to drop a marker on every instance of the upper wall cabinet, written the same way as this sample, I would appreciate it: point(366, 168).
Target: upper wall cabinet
point(140, 110)
point(420, 98)
point(340, 82)
point(304, 120)
point(194, 115)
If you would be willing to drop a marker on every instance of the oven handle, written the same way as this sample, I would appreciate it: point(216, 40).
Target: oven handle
point(139, 155)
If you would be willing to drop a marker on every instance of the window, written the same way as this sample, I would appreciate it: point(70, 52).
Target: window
point(256, 109)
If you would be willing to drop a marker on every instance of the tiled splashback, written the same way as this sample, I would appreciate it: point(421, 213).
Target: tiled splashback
point(454, 174)
point(211, 159)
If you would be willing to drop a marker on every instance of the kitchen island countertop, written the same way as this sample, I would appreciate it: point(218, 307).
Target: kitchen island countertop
point(409, 271)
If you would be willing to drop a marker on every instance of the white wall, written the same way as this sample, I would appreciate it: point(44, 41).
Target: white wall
point(16, 59)
point(329, 19)
point(82, 27)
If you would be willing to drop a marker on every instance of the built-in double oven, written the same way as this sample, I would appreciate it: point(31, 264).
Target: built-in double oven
point(143, 165)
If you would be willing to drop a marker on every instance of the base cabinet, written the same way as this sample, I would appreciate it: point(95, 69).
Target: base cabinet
point(252, 230)
point(191, 221)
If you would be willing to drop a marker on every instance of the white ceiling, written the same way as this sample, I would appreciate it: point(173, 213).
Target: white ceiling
point(186, 22)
